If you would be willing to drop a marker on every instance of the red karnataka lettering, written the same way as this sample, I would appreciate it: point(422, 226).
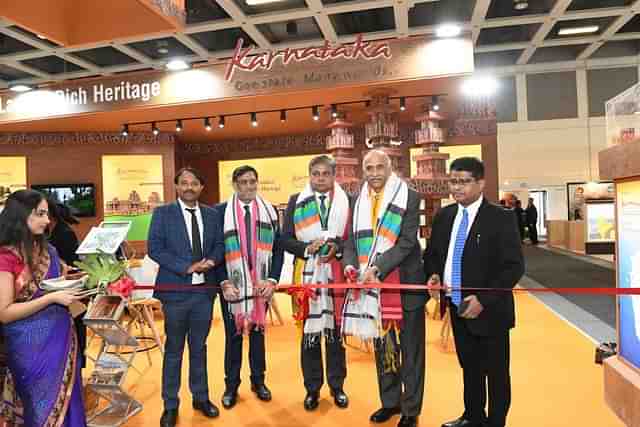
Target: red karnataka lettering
point(242, 59)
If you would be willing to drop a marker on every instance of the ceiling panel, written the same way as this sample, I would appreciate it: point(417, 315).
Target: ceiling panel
point(290, 31)
point(365, 21)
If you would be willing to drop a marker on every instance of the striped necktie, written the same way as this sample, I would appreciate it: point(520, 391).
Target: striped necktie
point(456, 264)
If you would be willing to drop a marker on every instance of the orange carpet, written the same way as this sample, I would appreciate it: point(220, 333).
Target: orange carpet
point(555, 381)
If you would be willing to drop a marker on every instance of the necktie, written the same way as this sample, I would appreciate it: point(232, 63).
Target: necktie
point(196, 243)
point(456, 264)
point(247, 230)
point(374, 212)
point(323, 212)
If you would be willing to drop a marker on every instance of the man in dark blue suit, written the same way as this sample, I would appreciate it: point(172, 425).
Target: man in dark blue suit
point(185, 239)
point(246, 220)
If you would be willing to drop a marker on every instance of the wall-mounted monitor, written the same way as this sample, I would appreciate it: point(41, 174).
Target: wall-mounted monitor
point(80, 198)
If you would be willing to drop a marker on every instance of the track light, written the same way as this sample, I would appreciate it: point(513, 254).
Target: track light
point(154, 128)
point(403, 104)
point(179, 126)
point(334, 110)
point(283, 116)
point(435, 106)
point(207, 124)
point(315, 112)
point(125, 130)
point(254, 119)
point(221, 122)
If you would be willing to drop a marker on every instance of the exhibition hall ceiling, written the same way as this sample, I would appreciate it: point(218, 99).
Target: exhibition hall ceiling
point(72, 39)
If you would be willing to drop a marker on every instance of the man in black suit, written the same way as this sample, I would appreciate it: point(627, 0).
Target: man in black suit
point(401, 390)
point(186, 242)
point(314, 228)
point(475, 244)
point(531, 214)
point(250, 206)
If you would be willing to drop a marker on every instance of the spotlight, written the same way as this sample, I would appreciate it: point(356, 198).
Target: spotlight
point(221, 122)
point(125, 130)
point(179, 126)
point(20, 88)
point(334, 110)
point(445, 31)
point(315, 112)
point(177, 65)
point(403, 103)
point(283, 116)
point(480, 86)
point(434, 103)
point(154, 128)
point(254, 119)
point(207, 124)
point(520, 4)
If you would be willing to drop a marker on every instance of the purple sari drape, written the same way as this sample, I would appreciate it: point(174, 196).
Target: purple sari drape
point(42, 359)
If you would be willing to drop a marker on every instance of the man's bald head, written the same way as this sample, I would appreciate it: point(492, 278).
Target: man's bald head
point(376, 166)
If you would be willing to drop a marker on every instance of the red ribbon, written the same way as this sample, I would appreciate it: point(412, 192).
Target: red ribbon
point(402, 286)
point(301, 295)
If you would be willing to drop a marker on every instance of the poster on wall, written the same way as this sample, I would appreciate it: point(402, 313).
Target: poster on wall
point(628, 206)
point(279, 177)
point(13, 176)
point(132, 186)
point(600, 222)
point(579, 192)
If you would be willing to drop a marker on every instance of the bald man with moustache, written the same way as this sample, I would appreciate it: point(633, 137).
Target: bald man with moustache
point(383, 247)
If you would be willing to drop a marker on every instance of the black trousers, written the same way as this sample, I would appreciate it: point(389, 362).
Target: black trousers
point(533, 233)
point(484, 361)
point(233, 351)
point(312, 369)
point(410, 376)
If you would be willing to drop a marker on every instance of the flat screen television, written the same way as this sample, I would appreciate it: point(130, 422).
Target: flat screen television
point(80, 198)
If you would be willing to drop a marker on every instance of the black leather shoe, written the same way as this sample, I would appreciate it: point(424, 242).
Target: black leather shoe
point(461, 422)
point(340, 398)
point(229, 398)
point(261, 391)
point(408, 421)
point(169, 418)
point(311, 400)
point(383, 414)
point(207, 408)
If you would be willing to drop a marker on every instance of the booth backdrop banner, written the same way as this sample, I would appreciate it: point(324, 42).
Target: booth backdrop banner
point(279, 177)
point(628, 209)
point(13, 176)
point(249, 72)
point(132, 186)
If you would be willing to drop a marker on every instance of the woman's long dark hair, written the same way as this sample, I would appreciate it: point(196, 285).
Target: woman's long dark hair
point(14, 230)
point(60, 212)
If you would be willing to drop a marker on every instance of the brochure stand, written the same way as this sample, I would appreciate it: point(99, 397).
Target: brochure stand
point(113, 361)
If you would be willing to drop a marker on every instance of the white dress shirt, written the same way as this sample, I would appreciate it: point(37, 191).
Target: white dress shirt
point(472, 211)
point(196, 278)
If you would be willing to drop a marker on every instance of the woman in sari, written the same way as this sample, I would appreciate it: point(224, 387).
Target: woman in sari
point(41, 383)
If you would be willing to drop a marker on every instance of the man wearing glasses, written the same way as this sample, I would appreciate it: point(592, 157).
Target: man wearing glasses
point(475, 244)
point(315, 227)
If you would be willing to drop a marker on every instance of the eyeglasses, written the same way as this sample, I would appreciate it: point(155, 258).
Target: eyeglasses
point(324, 174)
point(461, 181)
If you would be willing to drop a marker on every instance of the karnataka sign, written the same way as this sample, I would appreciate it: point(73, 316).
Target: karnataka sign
point(250, 73)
